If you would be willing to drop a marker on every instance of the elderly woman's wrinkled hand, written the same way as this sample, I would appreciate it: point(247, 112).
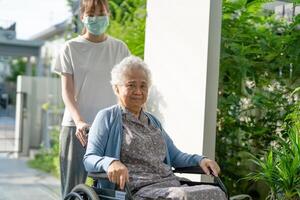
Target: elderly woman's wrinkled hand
point(118, 173)
point(209, 166)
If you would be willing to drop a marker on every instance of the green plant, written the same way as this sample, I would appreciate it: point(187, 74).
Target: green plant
point(47, 160)
point(18, 67)
point(127, 23)
point(258, 71)
point(280, 166)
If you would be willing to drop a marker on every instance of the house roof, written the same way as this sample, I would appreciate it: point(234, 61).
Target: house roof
point(50, 32)
point(15, 47)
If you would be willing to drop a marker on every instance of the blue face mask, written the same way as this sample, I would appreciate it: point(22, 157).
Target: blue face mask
point(96, 25)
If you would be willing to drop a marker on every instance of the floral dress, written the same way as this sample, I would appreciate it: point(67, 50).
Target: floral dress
point(143, 151)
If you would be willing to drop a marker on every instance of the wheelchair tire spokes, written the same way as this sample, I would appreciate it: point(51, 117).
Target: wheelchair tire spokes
point(73, 196)
point(85, 192)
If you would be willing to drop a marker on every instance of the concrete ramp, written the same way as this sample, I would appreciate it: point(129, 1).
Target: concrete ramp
point(18, 181)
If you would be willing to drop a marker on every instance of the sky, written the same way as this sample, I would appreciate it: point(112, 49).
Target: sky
point(33, 16)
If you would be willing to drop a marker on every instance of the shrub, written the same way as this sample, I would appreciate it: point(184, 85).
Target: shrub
point(280, 166)
point(258, 70)
point(47, 160)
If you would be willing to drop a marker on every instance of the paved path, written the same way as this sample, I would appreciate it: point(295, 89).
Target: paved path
point(19, 182)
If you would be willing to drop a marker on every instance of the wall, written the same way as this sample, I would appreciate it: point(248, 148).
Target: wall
point(36, 92)
point(182, 49)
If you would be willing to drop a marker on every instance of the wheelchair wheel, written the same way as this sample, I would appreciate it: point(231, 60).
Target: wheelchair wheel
point(82, 192)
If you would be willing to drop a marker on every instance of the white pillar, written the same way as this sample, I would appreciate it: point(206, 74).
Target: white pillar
point(182, 49)
point(21, 140)
point(29, 66)
point(212, 79)
point(39, 64)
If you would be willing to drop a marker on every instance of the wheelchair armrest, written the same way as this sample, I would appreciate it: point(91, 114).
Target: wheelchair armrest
point(189, 170)
point(198, 170)
point(97, 175)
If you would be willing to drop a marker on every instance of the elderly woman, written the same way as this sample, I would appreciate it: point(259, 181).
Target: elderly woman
point(130, 145)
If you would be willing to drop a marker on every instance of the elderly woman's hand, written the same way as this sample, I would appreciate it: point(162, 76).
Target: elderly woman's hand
point(118, 173)
point(209, 166)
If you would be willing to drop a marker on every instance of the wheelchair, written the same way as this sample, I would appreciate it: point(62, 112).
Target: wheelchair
point(85, 192)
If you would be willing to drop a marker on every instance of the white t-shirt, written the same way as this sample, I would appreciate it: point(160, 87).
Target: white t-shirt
point(90, 63)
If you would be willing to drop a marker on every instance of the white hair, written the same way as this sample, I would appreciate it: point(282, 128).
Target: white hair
point(127, 64)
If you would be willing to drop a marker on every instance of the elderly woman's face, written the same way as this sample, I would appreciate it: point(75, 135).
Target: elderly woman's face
point(133, 93)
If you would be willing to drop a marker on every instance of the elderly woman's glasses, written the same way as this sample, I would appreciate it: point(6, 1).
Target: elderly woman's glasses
point(135, 87)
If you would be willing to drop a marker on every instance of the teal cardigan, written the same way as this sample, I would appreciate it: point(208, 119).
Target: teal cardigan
point(105, 140)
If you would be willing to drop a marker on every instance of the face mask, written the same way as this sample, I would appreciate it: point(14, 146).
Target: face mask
point(96, 25)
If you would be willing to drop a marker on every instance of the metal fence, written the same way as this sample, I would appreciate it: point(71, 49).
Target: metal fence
point(7, 129)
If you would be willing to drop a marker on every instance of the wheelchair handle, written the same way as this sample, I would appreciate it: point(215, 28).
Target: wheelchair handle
point(86, 130)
